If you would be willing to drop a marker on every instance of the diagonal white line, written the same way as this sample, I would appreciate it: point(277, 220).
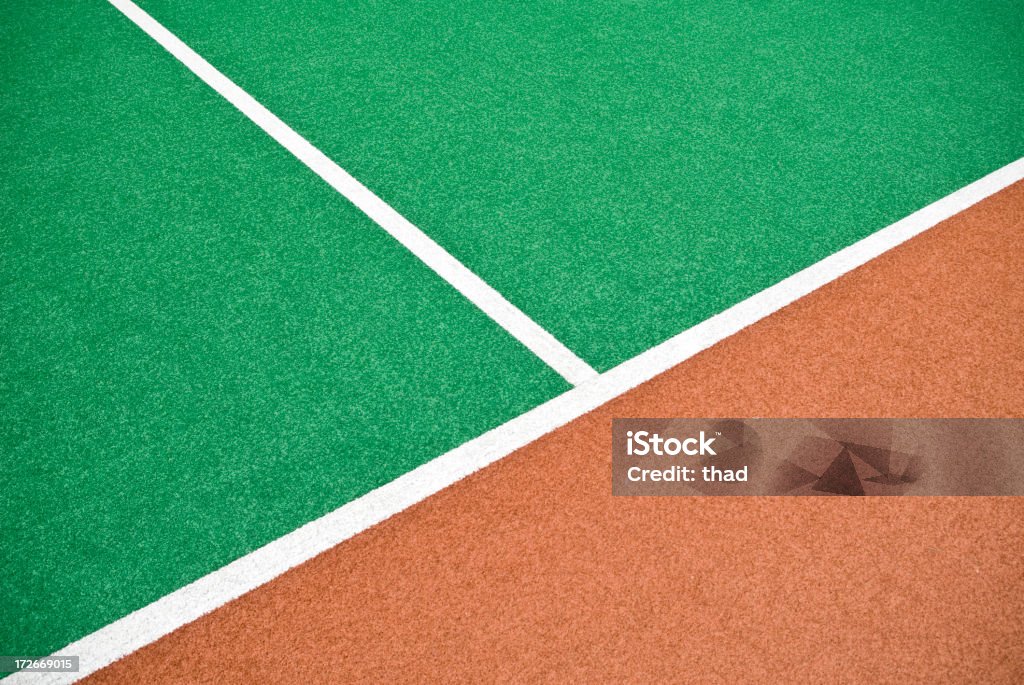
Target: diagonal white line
point(475, 289)
point(183, 606)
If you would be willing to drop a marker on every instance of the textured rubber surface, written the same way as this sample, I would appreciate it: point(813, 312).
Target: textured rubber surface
point(622, 171)
point(531, 571)
point(202, 346)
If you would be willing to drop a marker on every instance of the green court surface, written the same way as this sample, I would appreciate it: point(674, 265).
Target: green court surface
point(203, 346)
point(623, 170)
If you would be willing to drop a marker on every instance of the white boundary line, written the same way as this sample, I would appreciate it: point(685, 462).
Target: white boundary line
point(475, 289)
point(183, 606)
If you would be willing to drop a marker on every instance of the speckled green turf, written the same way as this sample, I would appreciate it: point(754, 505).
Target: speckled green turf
point(623, 170)
point(202, 345)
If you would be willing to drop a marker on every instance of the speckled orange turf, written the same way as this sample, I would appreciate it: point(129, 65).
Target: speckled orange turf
point(531, 571)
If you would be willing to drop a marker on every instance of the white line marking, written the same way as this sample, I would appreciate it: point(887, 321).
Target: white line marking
point(475, 289)
point(183, 606)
